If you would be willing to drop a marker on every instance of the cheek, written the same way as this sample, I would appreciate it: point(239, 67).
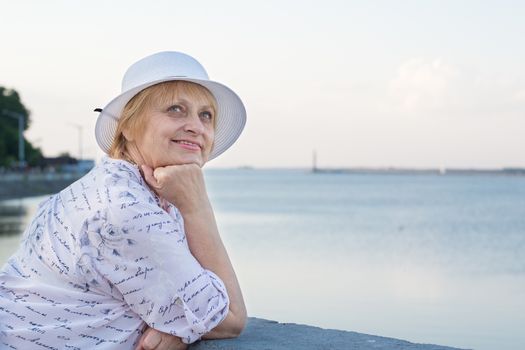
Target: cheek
point(154, 141)
point(211, 139)
point(158, 134)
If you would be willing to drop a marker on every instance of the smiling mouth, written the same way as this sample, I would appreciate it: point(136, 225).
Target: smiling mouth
point(188, 144)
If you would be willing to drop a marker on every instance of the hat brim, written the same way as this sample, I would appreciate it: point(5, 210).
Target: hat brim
point(231, 114)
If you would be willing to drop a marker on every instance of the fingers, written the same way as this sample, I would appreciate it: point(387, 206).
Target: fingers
point(150, 340)
point(153, 339)
point(180, 173)
point(149, 177)
point(169, 342)
point(181, 185)
point(162, 174)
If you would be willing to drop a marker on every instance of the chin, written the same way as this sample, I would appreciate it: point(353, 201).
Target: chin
point(189, 160)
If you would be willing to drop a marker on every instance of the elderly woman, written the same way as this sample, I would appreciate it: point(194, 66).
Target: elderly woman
point(129, 256)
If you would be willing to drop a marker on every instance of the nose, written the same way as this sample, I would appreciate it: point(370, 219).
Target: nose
point(193, 124)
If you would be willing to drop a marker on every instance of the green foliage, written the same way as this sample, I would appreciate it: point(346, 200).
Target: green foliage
point(10, 101)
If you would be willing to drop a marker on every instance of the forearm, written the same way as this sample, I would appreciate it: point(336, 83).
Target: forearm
point(206, 246)
point(183, 186)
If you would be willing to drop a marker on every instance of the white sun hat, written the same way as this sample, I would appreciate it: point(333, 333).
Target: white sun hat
point(169, 66)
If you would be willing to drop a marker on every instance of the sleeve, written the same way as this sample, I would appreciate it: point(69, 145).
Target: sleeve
point(142, 252)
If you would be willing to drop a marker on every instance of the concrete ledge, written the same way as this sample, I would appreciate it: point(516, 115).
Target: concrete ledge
point(261, 334)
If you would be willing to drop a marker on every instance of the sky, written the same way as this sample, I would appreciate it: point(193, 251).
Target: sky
point(363, 83)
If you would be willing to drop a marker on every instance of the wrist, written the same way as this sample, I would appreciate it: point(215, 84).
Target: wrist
point(196, 210)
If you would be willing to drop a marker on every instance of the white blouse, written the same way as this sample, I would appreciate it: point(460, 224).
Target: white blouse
point(101, 259)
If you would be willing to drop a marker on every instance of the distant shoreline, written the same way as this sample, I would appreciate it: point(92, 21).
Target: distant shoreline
point(430, 171)
point(16, 185)
point(13, 186)
point(388, 170)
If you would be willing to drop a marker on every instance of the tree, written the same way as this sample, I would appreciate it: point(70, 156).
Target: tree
point(10, 101)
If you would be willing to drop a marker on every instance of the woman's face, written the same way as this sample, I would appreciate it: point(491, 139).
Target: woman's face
point(180, 131)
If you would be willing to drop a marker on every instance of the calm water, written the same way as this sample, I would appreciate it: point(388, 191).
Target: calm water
point(432, 259)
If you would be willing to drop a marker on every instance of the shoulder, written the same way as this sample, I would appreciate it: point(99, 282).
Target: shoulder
point(111, 183)
point(125, 195)
point(116, 171)
point(122, 200)
point(121, 183)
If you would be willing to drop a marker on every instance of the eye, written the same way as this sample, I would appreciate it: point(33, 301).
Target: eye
point(206, 115)
point(175, 108)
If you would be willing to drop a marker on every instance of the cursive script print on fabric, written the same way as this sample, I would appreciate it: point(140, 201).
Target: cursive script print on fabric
point(99, 261)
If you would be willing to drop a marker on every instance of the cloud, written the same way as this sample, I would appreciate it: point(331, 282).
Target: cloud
point(423, 85)
point(434, 87)
point(519, 96)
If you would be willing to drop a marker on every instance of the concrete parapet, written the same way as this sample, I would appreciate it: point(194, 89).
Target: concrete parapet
point(261, 334)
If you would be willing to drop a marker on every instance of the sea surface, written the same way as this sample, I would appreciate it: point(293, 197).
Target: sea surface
point(426, 258)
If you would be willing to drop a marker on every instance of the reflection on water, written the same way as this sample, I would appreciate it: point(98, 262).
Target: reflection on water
point(15, 215)
point(430, 259)
point(11, 218)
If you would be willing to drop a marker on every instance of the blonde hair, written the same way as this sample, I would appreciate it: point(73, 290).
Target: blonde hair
point(133, 116)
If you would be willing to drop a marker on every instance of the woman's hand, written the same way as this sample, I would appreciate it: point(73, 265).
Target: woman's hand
point(182, 185)
point(153, 339)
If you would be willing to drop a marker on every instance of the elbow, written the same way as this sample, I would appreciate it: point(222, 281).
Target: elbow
point(231, 327)
point(239, 324)
point(236, 324)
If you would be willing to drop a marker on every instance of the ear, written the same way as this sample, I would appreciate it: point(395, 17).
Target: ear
point(128, 135)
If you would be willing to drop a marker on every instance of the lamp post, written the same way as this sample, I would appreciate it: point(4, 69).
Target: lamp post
point(21, 144)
